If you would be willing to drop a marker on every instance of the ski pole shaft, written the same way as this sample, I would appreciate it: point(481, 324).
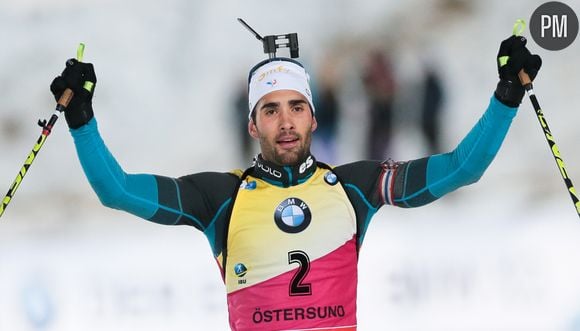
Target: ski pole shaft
point(527, 83)
point(61, 105)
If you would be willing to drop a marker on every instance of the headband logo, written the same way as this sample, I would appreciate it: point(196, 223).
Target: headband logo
point(272, 71)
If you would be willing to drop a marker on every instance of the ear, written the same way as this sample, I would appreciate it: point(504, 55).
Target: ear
point(253, 129)
point(314, 124)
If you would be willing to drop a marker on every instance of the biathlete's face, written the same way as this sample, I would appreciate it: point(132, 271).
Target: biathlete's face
point(284, 126)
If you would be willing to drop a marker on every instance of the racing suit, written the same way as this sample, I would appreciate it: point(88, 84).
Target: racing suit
point(287, 238)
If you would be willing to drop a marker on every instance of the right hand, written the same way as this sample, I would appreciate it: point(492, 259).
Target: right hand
point(81, 79)
point(513, 56)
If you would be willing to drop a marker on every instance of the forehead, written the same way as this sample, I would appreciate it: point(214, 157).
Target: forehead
point(282, 96)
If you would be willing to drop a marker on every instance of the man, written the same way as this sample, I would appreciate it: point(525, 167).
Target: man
point(286, 232)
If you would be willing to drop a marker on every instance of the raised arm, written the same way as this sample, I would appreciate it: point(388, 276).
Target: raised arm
point(134, 193)
point(193, 200)
point(415, 183)
point(418, 182)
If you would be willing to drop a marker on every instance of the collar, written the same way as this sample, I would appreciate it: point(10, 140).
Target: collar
point(284, 176)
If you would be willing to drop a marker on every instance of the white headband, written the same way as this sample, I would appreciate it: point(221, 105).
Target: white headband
point(278, 74)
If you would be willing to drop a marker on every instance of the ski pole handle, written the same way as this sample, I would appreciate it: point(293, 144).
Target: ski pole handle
point(524, 79)
point(64, 100)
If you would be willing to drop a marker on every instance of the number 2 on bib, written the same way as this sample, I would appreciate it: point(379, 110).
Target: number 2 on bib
point(297, 285)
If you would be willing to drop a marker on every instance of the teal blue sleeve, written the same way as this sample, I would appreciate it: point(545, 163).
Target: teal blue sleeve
point(421, 181)
point(467, 163)
point(199, 200)
point(134, 193)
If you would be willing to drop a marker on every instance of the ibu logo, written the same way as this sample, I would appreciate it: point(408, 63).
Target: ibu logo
point(240, 269)
point(292, 215)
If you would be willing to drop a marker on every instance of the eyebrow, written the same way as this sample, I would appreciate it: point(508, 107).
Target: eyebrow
point(297, 102)
point(292, 103)
point(270, 105)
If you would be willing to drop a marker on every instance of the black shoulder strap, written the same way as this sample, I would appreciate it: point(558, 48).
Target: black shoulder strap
point(358, 224)
point(323, 165)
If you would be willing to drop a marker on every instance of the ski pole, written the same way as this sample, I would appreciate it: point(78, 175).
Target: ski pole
point(527, 83)
point(61, 105)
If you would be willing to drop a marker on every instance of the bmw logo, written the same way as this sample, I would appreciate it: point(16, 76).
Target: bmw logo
point(240, 270)
point(292, 215)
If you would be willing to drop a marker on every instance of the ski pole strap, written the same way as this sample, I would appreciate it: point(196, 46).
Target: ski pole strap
point(68, 94)
point(519, 27)
point(80, 52)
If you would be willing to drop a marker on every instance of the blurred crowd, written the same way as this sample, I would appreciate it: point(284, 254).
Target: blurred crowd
point(377, 89)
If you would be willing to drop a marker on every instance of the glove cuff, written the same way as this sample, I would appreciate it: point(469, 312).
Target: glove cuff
point(75, 118)
point(509, 93)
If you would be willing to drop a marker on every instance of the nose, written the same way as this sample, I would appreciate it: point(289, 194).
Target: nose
point(286, 121)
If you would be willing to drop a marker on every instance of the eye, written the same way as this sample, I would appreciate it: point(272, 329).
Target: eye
point(269, 111)
point(298, 108)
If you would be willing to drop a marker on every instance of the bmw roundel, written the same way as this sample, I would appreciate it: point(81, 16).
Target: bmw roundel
point(292, 215)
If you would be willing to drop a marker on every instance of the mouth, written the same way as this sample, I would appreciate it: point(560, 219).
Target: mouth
point(288, 142)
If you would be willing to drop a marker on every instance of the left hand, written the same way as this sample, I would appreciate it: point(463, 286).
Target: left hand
point(513, 56)
point(81, 79)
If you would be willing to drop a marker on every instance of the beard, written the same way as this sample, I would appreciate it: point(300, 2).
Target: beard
point(283, 157)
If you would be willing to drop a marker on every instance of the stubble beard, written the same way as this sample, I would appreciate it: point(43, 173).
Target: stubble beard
point(286, 157)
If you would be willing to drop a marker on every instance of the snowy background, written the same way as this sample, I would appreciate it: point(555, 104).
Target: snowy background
point(503, 254)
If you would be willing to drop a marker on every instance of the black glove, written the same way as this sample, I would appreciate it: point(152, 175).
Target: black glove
point(81, 79)
point(511, 58)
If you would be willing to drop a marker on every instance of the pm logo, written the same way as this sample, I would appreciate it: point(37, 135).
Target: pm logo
point(554, 25)
point(292, 215)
